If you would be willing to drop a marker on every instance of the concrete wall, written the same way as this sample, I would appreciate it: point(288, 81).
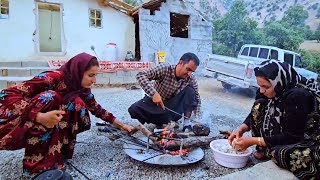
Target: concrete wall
point(19, 43)
point(155, 33)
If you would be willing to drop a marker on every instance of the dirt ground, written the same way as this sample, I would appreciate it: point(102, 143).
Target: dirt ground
point(311, 46)
point(99, 158)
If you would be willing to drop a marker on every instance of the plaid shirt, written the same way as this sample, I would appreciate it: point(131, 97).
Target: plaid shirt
point(166, 83)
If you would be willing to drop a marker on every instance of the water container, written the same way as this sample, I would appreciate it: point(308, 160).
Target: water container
point(111, 52)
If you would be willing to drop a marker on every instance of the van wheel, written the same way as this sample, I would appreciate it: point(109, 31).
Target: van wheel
point(226, 85)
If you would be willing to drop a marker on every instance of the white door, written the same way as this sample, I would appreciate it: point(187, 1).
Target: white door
point(49, 27)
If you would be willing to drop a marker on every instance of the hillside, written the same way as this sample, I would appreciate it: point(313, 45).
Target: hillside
point(261, 10)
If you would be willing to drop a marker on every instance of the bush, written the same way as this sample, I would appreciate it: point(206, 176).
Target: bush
point(221, 49)
point(258, 13)
point(311, 59)
point(318, 13)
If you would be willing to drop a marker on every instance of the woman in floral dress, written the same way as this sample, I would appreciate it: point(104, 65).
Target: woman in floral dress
point(284, 120)
point(45, 114)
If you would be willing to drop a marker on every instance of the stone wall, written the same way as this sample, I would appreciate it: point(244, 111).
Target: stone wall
point(155, 33)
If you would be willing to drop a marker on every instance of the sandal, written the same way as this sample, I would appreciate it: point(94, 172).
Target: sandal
point(260, 155)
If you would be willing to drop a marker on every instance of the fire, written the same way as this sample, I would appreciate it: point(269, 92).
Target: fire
point(183, 152)
point(168, 137)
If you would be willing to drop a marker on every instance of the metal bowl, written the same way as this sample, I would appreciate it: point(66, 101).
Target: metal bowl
point(151, 156)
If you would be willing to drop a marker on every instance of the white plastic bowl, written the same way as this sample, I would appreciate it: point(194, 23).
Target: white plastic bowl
point(227, 159)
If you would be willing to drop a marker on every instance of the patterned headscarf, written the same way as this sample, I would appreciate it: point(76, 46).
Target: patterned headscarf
point(73, 73)
point(282, 77)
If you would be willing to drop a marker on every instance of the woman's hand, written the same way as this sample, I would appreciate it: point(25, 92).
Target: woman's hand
point(122, 126)
point(234, 135)
point(127, 128)
point(243, 143)
point(238, 134)
point(50, 119)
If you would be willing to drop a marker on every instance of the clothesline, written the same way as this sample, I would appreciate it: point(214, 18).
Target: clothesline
point(109, 66)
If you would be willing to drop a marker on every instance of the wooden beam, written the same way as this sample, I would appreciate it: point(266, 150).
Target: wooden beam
point(121, 9)
point(101, 3)
point(120, 3)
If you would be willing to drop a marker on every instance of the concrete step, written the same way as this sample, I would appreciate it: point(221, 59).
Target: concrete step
point(262, 171)
point(22, 71)
point(12, 80)
point(39, 63)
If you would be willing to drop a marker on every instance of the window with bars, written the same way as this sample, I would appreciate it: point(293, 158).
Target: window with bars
point(4, 9)
point(95, 18)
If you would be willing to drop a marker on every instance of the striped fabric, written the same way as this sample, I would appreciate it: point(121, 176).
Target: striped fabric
point(162, 79)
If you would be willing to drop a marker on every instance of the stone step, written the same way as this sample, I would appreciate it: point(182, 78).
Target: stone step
point(262, 171)
point(12, 80)
point(23, 71)
point(103, 78)
point(39, 63)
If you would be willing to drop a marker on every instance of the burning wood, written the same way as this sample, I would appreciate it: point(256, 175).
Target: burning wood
point(189, 142)
point(146, 132)
point(168, 140)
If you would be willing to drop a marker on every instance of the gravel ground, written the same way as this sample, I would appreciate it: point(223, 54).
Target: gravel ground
point(102, 159)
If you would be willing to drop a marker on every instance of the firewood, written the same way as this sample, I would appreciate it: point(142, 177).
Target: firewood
point(172, 125)
point(146, 132)
point(197, 141)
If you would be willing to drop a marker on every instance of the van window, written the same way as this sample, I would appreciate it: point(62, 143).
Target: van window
point(298, 61)
point(288, 58)
point(253, 52)
point(263, 53)
point(274, 54)
point(245, 51)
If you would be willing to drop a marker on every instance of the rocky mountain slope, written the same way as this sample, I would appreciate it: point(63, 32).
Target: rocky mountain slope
point(261, 10)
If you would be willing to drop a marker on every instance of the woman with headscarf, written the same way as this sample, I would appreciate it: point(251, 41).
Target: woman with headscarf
point(284, 120)
point(45, 114)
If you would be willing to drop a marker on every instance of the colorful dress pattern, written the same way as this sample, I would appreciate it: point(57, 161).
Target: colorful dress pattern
point(45, 148)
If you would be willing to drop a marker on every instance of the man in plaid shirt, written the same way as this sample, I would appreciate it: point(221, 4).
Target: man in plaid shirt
point(171, 86)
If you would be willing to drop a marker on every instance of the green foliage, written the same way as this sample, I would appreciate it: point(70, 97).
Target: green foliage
point(318, 13)
point(282, 35)
point(133, 2)
point(221, 49)
point(308, 34)
point(210, 13)
point(295, 16)
point(315, 6)
point(311, 59)
point(316, 36)
point(235, 29)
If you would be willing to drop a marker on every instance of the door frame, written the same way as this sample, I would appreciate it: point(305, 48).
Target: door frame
point(36, 34)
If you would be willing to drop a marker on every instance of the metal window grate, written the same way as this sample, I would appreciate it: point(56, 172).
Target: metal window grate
point(95, 18)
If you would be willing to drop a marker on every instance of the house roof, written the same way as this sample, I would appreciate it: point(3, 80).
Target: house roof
point(152, 5)
point(117, 4)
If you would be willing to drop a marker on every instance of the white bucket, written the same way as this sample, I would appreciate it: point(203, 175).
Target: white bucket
point(111, 52)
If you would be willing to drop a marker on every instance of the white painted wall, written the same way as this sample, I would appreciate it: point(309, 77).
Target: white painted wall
point(16, 39)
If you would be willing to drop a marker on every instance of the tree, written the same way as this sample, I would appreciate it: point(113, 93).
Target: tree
point(295, 16)
point(133, 2)
point(282, 35)
point(308, 33)
point(209, 12)
point(316, 35)
point(235, 29)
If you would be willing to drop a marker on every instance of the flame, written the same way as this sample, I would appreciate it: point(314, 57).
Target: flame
point(183, 152)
